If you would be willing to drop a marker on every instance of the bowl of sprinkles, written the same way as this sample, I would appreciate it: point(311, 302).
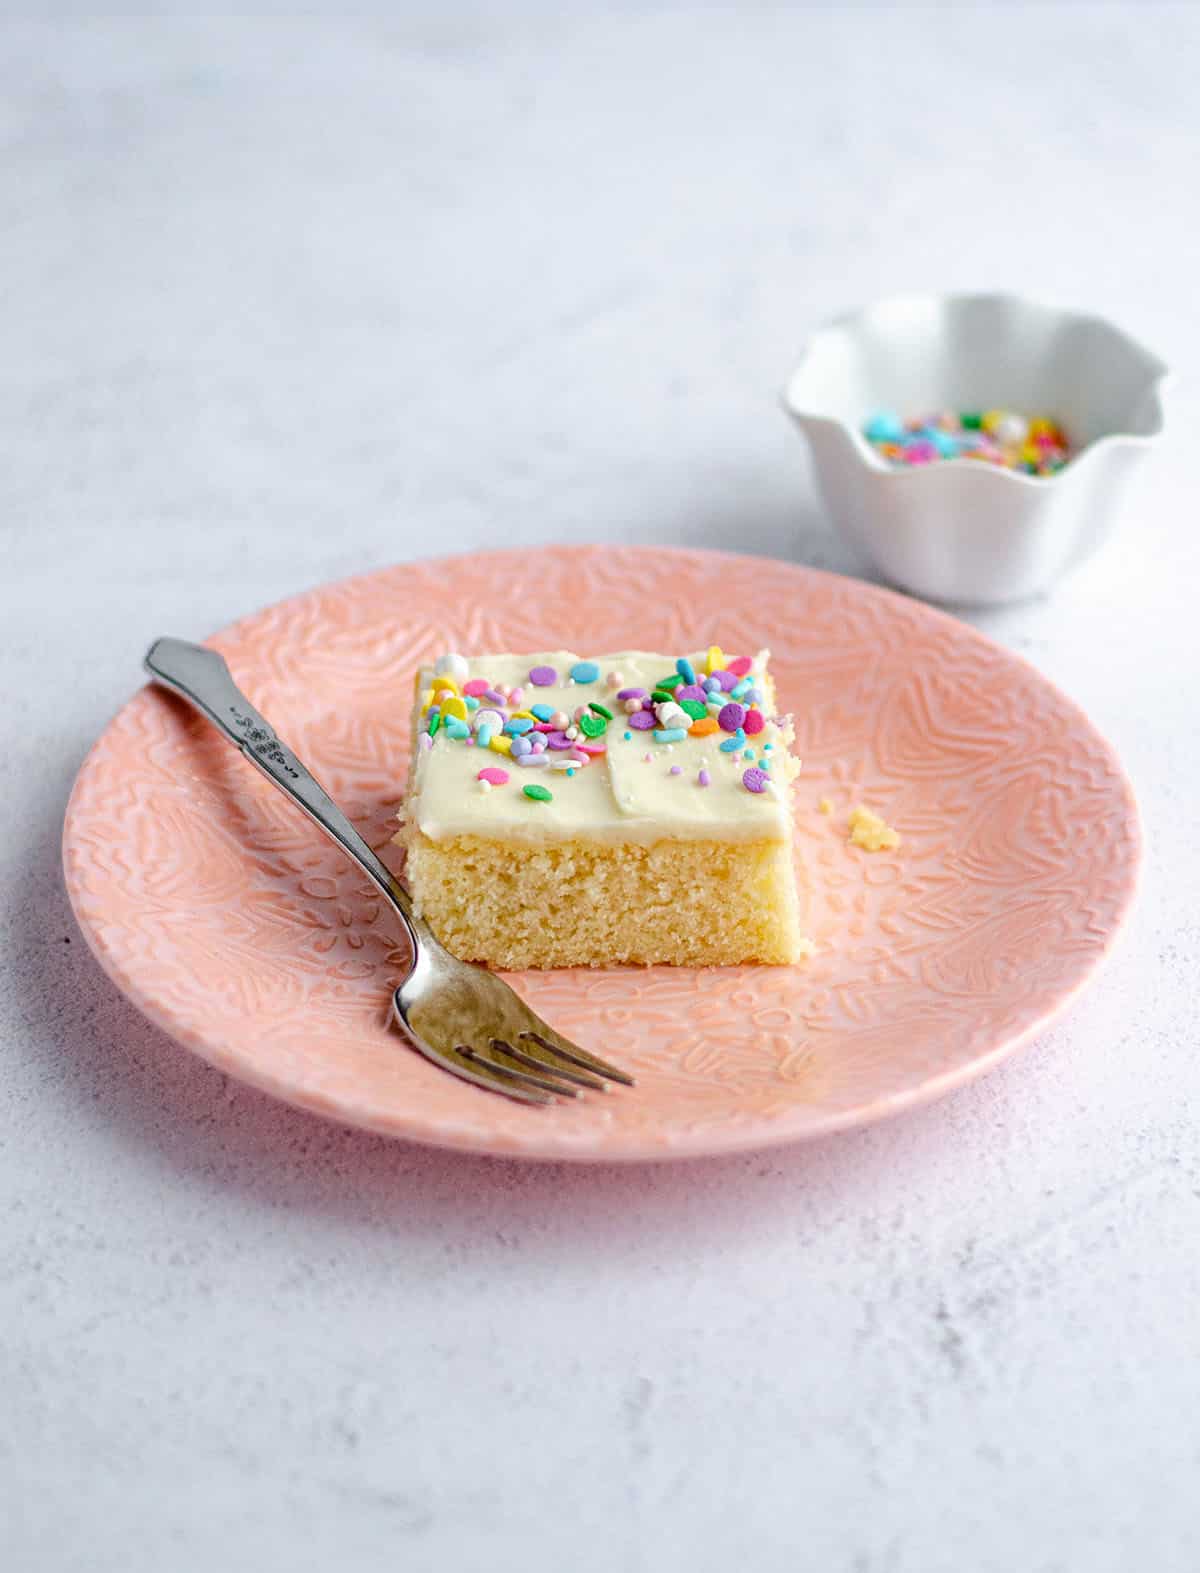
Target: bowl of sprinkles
point(973, 448)
point(1036, 446)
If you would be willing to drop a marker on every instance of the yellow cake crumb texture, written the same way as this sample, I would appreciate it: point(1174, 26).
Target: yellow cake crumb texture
point(587, 904)
point(871, 832)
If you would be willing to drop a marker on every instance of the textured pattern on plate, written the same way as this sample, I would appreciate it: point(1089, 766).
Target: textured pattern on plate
point(229, 920)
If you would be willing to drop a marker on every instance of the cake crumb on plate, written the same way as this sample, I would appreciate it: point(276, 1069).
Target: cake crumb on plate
point(872, 833)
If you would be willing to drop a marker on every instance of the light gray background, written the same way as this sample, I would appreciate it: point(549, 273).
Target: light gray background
point(290, 299)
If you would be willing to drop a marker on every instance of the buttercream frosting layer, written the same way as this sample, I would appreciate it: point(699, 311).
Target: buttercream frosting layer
point(620, 795)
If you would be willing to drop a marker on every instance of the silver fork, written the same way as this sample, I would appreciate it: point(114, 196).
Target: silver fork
point(460, 1016)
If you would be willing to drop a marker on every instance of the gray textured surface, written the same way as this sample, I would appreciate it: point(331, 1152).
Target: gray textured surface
point(289, 300)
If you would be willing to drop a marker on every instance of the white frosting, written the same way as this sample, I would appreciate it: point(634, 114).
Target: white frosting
point(617, 797)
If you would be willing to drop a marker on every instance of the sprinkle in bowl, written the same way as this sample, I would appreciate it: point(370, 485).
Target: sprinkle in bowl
point(958, 530)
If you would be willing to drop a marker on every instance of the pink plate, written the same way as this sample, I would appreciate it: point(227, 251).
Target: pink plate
point(227, 918)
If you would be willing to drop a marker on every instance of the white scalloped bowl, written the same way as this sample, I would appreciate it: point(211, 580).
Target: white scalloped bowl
point(958, 530)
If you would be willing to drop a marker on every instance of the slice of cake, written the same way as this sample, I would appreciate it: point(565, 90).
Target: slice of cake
point(565, 811)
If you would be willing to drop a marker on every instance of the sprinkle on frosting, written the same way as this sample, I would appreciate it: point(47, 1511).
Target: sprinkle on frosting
point(452, 665)
point(711, 696)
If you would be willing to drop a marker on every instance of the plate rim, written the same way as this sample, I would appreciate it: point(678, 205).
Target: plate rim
point(218, 1052)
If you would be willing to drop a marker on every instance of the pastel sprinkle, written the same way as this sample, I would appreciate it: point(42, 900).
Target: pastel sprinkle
point(484, 734)
point(754, 723)
point(517, 724)
point(516, 697)
point(601, 709)
point(747, 753)
point(520, 747)
point(581, 672)
point(731, 717)
point(485, 786)
point(426, 740)
point(643, 720)
point(755, 780)
point(593, 725)
point(542, 759)
point(740, 666)
point(558, 740)
point(614, 680)
point(734, 744)
point(675, 770)
point(690, 691)
point(435, 720)
point(501, 745)
point(456, 728)
point(560, 719)
point(542, 677)
point(693, 708)
point(685, 669)
point(494, 696)
point(703, 779)
point(493, 775)
point(629, 737)
point(669, 734)
point(716, 659)
point(538, 792)
point(543, 712)
point(726, 679)
point(741, 688)
point(471, 701)
point(452, 665)
point(705, 727)
point(631, 693)
point(475, 689)
point(591, 748)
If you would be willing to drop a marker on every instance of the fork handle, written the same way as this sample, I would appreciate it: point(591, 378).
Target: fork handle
point(200, 676)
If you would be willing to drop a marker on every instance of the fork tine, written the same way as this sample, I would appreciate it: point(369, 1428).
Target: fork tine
point(547, 1038)
point(499, 1054)
point(529, 1052)
point(460, 1062)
